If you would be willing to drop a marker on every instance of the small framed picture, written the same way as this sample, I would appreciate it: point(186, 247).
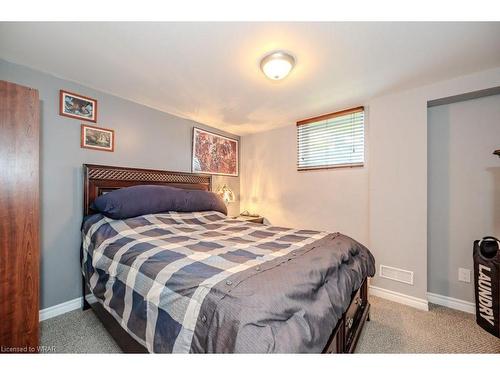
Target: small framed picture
point(77, 106)
point(97, 138)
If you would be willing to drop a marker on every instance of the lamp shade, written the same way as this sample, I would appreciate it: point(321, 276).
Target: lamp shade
point(226, 194)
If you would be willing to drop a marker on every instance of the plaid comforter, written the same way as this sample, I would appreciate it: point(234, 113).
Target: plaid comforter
point(167, 277)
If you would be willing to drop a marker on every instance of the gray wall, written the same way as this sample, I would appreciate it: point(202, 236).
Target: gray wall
point(463, 189)
point(145, 138)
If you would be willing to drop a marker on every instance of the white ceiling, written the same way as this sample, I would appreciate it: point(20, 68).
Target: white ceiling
point(209, 72)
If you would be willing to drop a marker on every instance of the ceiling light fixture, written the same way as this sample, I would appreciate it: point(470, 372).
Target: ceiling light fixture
point(277, 65)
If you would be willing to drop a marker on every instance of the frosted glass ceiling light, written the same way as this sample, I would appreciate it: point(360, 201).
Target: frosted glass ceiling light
point(277, 65)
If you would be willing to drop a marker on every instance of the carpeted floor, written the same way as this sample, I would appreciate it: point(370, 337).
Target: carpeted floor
point(396, 328)
point(393, 328)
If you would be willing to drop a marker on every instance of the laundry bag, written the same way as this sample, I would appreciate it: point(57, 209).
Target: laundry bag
point(486, 256)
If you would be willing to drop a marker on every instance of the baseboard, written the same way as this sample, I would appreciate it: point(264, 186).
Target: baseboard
point(404, 299)
point(452, 303)
point(62, 308)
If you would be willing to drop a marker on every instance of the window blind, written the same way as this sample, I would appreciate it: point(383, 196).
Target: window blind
point(333, 140)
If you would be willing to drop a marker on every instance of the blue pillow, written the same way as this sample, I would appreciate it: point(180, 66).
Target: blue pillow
point(151, 199)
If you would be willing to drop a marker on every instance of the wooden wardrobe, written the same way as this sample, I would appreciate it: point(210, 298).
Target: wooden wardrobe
point(19, 218)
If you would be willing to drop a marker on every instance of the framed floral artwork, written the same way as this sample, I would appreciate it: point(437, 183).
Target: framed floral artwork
point(214, 153)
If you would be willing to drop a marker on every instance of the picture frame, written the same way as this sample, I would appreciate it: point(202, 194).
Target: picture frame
point(77, 106)
point(214, 154)
point(96, 138)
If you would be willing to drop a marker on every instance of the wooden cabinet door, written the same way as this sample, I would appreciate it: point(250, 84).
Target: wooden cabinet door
point(19, 218)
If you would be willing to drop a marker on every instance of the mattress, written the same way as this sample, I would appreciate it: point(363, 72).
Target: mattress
point(200, 282)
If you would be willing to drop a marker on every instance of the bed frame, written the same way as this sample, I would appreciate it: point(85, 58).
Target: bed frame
point(100, 179)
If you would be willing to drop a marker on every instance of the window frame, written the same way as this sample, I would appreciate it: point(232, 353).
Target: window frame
point(329, 116)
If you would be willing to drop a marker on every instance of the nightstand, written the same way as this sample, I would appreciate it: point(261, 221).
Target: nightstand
point(252, 219)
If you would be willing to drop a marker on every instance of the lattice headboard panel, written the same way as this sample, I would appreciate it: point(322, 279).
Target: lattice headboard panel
point(99, 179)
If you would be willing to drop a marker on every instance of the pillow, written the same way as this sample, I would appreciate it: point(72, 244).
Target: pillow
point(151, 199)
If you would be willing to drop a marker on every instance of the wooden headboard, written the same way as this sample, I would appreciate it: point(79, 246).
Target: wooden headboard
point(99, 179)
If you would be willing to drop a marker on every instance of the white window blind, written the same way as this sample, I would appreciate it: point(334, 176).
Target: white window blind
point(334, 140)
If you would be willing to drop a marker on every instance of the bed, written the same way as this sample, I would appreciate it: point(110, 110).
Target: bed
point(201, 282)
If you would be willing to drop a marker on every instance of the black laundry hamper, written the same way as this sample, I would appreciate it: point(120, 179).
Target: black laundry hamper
point(486, 256)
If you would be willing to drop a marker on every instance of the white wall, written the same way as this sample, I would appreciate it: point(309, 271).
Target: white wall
point(398, 188)
point(464, 189)
point(398, 176)
point(384, 204)
point(333, 200)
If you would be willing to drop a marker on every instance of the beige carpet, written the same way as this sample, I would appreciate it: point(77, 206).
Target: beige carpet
point(396, 328)
point(393, 328)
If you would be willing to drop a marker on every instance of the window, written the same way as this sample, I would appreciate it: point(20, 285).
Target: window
point(333, 140)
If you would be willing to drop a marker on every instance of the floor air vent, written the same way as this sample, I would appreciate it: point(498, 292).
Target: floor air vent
point(396, 274)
